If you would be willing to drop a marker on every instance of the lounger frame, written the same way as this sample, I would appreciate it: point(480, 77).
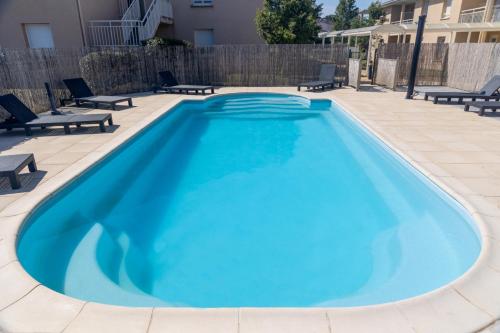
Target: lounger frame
point(482, 106)
point(314, 85)
point(23, 117)
point(81, 93)
point(39, 122)
point(13, 164)
point(460, 97)
point(185, 89)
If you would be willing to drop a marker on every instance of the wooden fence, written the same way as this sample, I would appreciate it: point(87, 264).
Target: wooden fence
point(432, 63)
point(471, 65)
point(128, 70)
point(354, 77)
point(387, 73)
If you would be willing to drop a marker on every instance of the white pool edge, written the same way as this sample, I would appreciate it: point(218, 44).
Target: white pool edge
point(462, 300)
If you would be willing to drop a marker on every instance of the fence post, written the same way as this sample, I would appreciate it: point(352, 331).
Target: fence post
point(416, 53)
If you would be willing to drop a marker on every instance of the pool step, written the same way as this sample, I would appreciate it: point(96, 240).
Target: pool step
point(85, 278)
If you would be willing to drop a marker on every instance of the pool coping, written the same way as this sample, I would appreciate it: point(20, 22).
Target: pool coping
point(464, 305)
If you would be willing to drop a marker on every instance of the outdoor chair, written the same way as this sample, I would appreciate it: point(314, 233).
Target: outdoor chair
point(81, 93)
point(483, 106)
point(326, 79)
point(169, 84)
point(488, 92)
point(23, 117)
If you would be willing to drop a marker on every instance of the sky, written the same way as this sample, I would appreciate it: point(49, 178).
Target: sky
point(329, 5)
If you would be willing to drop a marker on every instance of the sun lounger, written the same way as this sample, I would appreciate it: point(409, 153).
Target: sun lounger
point(488, 92)
point(326, 79)
point(169, 84)
point(23, 117)
point(81, 93)
point(483, 106)
point(11, 165)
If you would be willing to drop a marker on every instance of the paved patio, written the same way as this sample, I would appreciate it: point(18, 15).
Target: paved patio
point(458, 150)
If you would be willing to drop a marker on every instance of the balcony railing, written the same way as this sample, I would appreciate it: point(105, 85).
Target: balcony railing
point(495, 17)
point(407, 18)
point(473, 15)
point(129, 30)
point(115, 32)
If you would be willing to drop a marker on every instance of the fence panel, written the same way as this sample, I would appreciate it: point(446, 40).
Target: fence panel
point(354, 79)
point(387, 72)
point(432, 63)
point(127, 70)
point(471, 65)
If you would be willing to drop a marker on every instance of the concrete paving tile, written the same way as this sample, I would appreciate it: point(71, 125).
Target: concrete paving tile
point(283, 321)
point(42, 310)
point(103, 318)
point(185, 320)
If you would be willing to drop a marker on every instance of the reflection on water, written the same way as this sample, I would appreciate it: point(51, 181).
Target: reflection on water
point(249, 200)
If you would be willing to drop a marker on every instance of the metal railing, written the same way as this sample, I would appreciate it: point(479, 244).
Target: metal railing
point(406, 19)
point(123, 6)
point(473, 15)
point(495, 17)
point(157, 10)
point(114, 32)
point(133, 13)
point(130, 30)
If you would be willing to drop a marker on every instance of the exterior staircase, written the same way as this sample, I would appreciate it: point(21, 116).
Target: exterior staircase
point(131, 29)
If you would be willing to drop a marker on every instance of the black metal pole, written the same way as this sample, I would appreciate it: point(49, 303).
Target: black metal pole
point(414, 59)
point(53, 105)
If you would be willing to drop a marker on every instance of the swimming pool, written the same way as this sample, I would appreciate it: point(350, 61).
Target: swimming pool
point(249, 200)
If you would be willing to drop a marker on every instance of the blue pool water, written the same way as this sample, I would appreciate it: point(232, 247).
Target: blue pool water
point(249, 200)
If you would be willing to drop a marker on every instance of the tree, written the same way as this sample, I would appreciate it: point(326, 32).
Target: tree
point(375, 12)
point(345, 12)
point(288, 21)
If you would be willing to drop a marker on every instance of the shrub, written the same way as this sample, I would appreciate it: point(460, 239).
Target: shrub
point(111, 71)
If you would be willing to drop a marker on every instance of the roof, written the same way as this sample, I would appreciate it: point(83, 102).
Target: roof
point(366, 31)
point(403, 28)
point(396, 2)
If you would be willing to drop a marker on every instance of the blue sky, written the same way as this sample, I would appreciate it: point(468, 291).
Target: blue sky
point(329, 5)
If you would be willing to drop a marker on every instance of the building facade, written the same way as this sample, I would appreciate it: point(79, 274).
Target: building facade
point(447, 21)
point(206, 22)
point(79, 23)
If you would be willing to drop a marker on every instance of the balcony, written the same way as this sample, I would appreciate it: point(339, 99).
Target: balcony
point(131, 30)
point(405, 18)
point(473, 15)
point(495, 17)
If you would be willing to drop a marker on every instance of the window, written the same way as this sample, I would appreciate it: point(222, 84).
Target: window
point(203, 37)
point(441, 39)
point(446, 9)
point(202, 3)
point(39, 36)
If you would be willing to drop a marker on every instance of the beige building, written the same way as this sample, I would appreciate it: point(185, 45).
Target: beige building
point(77, 23)
point(215, 21)
point(448, 21)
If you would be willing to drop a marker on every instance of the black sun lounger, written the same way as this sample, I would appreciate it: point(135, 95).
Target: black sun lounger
point(326, 79)
point(11, 165)
point(169, 84)
point(23, 117)
point(81, 93)
point(488, 92)
point(482, 106)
